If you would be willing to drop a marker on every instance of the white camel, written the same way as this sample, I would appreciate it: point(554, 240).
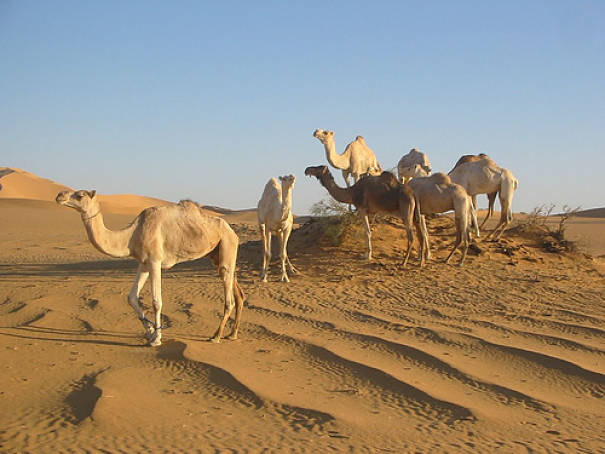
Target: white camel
point(357, 160)
point(485, 177)
point(158, 238)
point(437, 194)
point(405, 170)
point(491, 198)
point(275, 216)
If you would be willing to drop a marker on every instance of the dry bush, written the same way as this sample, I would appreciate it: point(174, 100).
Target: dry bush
point(535, 227)
point(334, 219)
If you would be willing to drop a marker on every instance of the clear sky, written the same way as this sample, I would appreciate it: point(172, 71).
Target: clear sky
point(209, 99)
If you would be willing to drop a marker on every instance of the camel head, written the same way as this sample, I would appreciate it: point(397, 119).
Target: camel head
point(83, 201)
point(415, 171)
point(323, 136)
point(317, 171)
point(287, 180)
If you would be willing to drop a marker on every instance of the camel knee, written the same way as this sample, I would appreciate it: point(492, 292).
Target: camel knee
point(223, 272)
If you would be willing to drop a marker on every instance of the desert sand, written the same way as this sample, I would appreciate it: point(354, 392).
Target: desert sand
point(506, 354)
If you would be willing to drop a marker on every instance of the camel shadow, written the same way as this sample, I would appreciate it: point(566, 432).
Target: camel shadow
point(71, 336)
point(123, 267)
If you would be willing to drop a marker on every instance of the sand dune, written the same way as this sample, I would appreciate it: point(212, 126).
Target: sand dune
point(22, 185)
point(19, 184)
point(506, 354)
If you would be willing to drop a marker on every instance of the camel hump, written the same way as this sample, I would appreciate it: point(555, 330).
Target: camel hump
point(440, 178)
point(192, 207)
point(188, 204)
point(389, 179)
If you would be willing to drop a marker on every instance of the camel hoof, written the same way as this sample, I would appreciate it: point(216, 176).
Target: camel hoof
point(215, 340)
point(155, 342)
point(232, 337)
point(285, 279)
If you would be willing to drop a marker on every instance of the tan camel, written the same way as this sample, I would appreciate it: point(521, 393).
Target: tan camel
point(275, 216)
point(483, 176)
point(491, 198)
point(357, 160)
point(370, 195)
point(158, 238)
point(405, 166)
point(437, 194)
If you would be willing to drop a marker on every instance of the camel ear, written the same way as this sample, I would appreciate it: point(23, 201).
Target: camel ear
point(92, 193)
point(330, 133)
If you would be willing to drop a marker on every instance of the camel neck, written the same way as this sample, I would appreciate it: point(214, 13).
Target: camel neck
point(343, 195)
point(286, 203)
point(339, 161)
point(114, 243)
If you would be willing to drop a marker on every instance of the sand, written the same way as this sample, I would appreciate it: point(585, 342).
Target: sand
point(506, 354)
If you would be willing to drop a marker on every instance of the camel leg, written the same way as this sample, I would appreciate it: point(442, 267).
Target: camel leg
point(239, 305)
point(266, 252)
point(283, 256)
point(238, 294)
point(134, 301)
point(461, 239)
point(227, 273)
point(410, 235)
point(407, 216)
point(425, 238)
point(420, 242)
point(156, 294)
point(491, 199)
point(366, 226)
point(506, 217)
point(287, 232)
point(473, 217)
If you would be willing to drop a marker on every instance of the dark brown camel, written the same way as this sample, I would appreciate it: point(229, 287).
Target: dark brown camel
point(371, 195)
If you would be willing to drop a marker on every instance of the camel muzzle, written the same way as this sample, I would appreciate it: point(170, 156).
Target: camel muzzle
point(62, 197)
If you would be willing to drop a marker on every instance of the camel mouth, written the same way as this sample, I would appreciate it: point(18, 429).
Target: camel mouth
point(314, 171)
point(62, 197)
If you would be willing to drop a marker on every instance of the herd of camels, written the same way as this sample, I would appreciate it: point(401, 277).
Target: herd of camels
point(162, 236)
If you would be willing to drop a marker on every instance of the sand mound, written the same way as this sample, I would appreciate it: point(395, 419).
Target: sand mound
point(22, 185)
point(592, 213)
point(19, 184)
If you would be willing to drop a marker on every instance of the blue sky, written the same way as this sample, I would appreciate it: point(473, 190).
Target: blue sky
point(208, 100)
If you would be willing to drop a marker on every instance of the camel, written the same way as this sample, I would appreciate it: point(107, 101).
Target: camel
point(491, 198)
point(483, 176)
point(371, 195)
point(275, 216)
point(357, 160)
point(437, 194)
point(406, 163)
point(158, 238)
